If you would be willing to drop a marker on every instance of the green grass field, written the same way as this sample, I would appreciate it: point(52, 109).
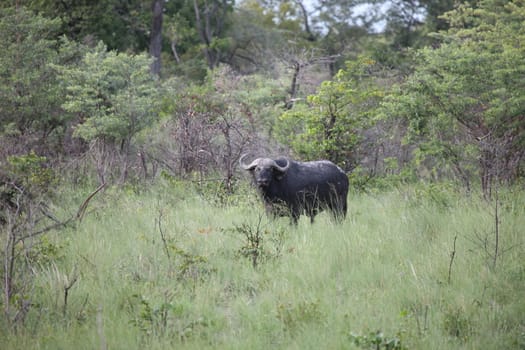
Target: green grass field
point(167, 268)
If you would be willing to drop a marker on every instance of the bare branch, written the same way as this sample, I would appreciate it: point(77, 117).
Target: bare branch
point(82, 209)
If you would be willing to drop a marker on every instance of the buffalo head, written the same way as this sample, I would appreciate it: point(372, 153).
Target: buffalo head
point(265, 170)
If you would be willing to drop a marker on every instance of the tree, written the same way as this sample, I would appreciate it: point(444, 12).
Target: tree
point(465, 102)
point(211, 19)
point(30, 111)
point(330, 124)
point(115, 96)
point(121, 25)
point(400, 25)
point(254, 38)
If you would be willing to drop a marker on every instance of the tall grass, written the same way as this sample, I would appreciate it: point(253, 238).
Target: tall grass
point(167, 268)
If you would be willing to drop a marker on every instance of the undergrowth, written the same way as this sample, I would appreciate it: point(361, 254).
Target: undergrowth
point(166, 267)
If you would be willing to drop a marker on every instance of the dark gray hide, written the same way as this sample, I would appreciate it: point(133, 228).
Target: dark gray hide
point(291, 188)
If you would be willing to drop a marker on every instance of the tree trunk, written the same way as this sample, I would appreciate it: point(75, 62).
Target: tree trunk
point(155, 46)
point(204, 34)
point(309, 35)
point(294, 86)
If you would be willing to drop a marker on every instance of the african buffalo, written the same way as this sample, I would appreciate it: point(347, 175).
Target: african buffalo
point(291, 188)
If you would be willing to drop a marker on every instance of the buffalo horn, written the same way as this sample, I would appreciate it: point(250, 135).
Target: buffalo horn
point(248, 166)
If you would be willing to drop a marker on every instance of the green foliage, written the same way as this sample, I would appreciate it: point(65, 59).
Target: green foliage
point(30, 95)
point(46, 252)
point(26, 185)
point(164, 318)
point(122, 25)
point(457, 324)
point(330, 125)
point(376, 340)
point(362, 181)
point(294, 316)
point(188, 265)
point(464, 102)
point(184, 265)
point(255, 240)
point(157, 319)
point(31, 172)
point(25, 181)
point(114, 95)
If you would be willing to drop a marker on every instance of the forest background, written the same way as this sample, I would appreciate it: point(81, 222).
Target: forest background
point(130, 88)
point(124, 94)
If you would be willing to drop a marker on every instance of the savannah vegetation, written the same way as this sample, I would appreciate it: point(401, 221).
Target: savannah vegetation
point(125, 221)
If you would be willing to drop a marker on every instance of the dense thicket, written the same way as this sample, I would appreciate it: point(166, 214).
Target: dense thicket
point(376, 85)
